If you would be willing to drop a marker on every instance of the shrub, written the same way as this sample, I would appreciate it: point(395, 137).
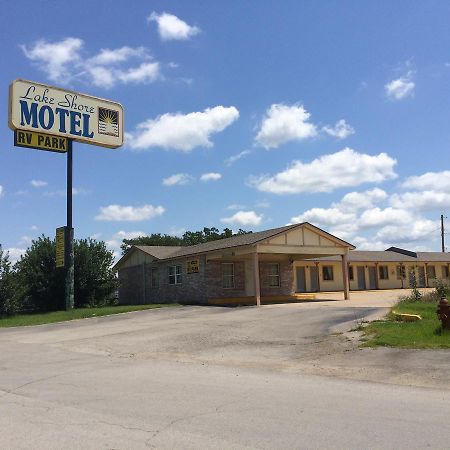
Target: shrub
point(8, 299)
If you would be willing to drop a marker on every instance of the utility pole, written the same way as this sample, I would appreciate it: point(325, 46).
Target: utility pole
point(442, 233)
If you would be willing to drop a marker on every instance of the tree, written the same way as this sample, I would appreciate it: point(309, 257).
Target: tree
point(41, 285)
point(95, 281)
point(188, 238)
point(8, 299)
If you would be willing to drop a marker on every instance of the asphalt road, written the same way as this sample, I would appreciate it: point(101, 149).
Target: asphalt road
point(209, 378)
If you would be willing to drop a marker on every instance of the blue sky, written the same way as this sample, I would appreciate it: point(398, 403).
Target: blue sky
point(238, 114)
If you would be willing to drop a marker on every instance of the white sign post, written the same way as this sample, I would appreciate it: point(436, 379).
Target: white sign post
point(78, 117)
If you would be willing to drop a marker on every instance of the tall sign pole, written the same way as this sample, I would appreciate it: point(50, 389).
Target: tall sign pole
point(442, 233)
point(51, 118)
point(70, 270)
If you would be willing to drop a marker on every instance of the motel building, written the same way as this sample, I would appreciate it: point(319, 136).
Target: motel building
point(277, 265)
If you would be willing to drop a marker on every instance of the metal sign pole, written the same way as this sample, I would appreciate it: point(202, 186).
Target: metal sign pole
point(69, 285)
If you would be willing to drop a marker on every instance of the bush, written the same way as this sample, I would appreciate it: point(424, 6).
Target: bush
point(41, 286)
point(95, 281)
point(8, 299)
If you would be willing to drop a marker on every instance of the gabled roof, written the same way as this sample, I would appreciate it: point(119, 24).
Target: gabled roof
point(388, 256)
point(166, 252)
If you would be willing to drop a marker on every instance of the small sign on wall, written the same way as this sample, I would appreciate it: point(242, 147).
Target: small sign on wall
point(193, 266)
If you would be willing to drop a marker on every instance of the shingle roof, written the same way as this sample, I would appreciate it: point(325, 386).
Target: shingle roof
point(388, 256)
point(220, 244)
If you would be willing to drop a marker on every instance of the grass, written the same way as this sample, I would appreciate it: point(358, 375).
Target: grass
point(426, 333)
point(21, 320)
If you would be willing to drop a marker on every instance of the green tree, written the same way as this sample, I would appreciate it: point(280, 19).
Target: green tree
point(95, 281)
point(188, 238)
point(8, 300)
point(41, 285)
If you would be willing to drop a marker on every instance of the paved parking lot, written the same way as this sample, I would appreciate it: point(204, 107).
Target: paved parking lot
point(205, 377)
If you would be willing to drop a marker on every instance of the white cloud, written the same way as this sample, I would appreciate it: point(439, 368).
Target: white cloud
point(341, 129)
point(401, 87)
point(63, 61)
point(182, 131)
point(34, 228)
point(435, 181)
point(356, 219)
point(284, 123)
point(62, 192)
point(178, 178)
point(145, 73)
point(232, 159)
point(15, 253)
point(378, 218)
point(38, 183)
point(129, 234)
point(129, 213)
point(324, 216)
point(25, 240)
point(353, 201)
point(235, 206)
point(243, 218)
point(211, 176)
point(108, 56)
point(344, 168)
point(174, 231)
point(417, 230)
point(170, 27)
point(55, 58)
point(2, 191)
point(422, 201)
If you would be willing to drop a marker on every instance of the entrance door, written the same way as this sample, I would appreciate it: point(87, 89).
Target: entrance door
point(301, 279)
point(421, 280)
point(361, 278)
point(313, 278)
point(372, 277)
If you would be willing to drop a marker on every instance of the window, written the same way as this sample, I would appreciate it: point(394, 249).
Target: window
point(175, 275)
point(228, 275)
point(154, 277)
point(327, 273)
point(401, 272)
point(351, 277)
point(383, 272)
point(431, 272)
point(274, 275)
point(444, 271)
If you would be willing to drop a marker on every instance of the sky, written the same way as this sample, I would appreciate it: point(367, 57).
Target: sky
point(247, 115)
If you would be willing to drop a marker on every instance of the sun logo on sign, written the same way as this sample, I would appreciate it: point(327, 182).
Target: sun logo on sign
point(108, 122)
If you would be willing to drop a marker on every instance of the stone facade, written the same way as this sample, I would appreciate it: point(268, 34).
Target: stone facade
point(139, 285)
point(214, 287)
point(286, 279)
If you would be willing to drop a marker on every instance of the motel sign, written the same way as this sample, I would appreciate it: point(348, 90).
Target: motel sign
point(60, 112)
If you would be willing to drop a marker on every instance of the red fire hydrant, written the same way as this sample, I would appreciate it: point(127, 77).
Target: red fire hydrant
point(443, 312)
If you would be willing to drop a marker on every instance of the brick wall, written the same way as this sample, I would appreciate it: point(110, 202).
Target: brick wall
point(213, 277)
point(286, 279)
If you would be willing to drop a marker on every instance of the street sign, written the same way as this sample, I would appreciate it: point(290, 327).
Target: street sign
point(41, 141)
point(50, 110)
point(61, 247)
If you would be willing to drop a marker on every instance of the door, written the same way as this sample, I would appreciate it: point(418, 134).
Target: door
point(301, 279)
point(421, 280)
point(313, 274)
point(361, 278)
point(372, 277)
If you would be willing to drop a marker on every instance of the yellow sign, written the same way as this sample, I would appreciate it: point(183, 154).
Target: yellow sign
point(60, 247)
point(41, 141)
point(193, 266)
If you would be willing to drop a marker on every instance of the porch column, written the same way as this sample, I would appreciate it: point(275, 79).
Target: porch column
point(426, 275)
point(256, 278)
point(377, 281)
point(345, 276)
